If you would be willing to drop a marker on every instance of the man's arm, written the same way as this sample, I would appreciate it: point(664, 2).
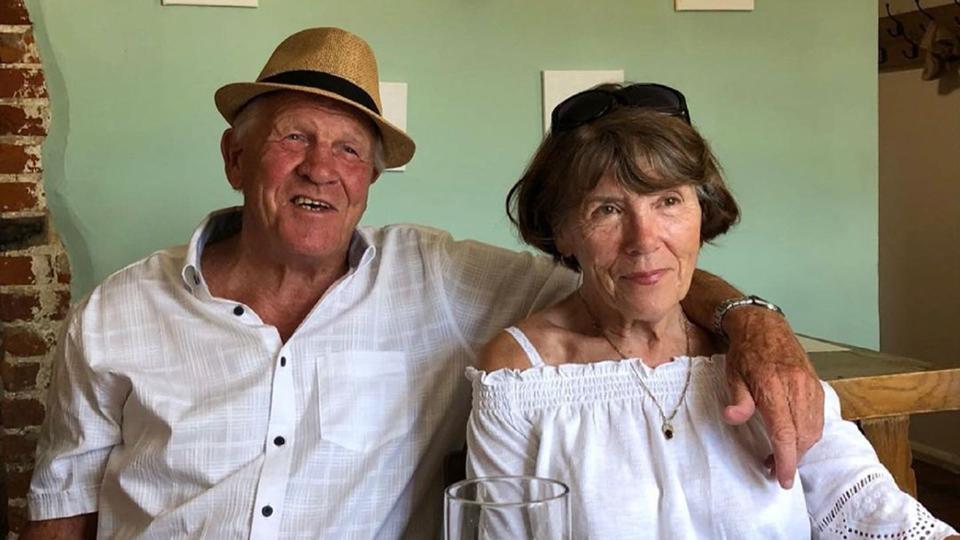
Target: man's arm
point(82, 425)
point(82, 527)
point(767, 369)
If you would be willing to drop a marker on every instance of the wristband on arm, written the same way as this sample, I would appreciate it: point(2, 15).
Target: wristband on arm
point(733, 303)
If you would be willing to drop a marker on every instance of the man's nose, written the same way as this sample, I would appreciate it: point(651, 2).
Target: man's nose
point(318, 164)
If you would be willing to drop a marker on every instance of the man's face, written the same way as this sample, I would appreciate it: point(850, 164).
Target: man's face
point(304, 165)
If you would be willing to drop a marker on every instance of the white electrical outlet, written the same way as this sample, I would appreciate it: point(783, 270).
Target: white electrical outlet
point(713, 5)
point(223, 3)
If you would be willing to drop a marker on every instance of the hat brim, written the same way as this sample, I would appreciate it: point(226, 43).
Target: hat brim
point(398, 148)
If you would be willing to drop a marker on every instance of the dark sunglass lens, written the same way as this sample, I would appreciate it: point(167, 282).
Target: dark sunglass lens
point(655, 96)
point(581, 108)
point(650, 96)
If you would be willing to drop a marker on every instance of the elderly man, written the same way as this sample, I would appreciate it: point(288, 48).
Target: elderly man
point(288, 374)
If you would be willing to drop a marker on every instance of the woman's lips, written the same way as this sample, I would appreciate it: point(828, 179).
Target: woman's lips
point(647, 278)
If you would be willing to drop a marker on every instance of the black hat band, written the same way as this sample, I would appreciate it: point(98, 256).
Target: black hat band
point(327, 82)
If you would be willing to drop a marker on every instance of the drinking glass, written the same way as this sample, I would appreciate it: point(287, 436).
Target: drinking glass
point(507, 507)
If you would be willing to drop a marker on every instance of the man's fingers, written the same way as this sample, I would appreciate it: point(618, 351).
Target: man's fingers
point(742, 407)
point(775, 409)
point(785, 458)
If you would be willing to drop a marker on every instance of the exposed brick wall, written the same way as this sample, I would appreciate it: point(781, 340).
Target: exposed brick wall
point(34, 271)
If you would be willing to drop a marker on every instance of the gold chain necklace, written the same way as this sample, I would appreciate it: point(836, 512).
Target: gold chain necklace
point(666, 422)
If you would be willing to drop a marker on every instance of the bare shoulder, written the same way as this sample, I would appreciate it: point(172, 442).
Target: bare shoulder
point(541, 330)
point(547, 330)
point(501, 352)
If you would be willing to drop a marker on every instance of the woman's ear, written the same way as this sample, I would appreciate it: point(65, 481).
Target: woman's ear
point(563, 239)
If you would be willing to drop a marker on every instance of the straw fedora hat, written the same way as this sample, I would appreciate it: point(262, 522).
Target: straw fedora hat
point(328, 62)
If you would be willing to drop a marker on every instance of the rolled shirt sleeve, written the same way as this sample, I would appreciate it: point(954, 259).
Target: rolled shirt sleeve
point(82, 425)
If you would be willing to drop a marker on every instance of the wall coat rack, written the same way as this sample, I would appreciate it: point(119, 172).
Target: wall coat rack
point(901, 34)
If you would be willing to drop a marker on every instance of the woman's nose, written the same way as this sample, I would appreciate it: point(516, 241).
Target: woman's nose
point(643, 235)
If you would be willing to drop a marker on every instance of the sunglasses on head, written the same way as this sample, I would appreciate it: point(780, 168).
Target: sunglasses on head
point(589, 105)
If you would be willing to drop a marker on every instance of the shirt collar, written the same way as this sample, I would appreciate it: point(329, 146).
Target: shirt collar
point(362, 250)
point(226, 222)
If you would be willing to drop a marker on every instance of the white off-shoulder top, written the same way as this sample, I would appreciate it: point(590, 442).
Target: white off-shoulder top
point(593, 427)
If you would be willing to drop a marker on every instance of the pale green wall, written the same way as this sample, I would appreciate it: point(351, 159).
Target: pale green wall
point(787, 94)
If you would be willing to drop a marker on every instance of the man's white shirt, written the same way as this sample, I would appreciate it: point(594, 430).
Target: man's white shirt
point(175, 414)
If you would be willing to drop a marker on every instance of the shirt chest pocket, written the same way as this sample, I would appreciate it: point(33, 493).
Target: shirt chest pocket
point(366, 398)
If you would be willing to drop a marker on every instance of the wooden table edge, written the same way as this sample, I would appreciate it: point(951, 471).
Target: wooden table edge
point(898, 394)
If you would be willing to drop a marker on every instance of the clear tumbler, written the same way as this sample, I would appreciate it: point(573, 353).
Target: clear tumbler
point(507, 507)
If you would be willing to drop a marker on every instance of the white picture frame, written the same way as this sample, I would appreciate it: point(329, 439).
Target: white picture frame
point(558, 85)
point(713, 5)
point(393, 98)
point(218, 3)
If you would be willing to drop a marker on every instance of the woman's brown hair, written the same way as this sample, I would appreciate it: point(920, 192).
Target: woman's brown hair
point(645, 150)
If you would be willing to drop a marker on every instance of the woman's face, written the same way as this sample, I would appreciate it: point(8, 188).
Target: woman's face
point(637, 252)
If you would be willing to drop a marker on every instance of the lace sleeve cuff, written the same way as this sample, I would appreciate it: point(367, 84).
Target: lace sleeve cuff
point(874, 507)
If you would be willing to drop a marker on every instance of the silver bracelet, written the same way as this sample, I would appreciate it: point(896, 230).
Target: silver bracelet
point(732, 303)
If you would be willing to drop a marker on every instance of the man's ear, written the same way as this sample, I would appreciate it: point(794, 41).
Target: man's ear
point(375, 176)
point(231, 150)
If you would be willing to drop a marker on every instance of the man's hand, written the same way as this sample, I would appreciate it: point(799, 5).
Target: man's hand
point(769, 371)
point(82, 527)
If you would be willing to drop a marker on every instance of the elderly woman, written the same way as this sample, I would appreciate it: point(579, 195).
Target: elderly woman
point(612, 390)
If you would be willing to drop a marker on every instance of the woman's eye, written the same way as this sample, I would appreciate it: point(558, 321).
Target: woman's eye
point(607, 210)
point(671, 199)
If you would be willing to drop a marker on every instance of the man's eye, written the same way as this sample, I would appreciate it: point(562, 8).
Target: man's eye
point(351, 152)
point(295, 137)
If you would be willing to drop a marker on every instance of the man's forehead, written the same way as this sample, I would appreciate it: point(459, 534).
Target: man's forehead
point(288, 104)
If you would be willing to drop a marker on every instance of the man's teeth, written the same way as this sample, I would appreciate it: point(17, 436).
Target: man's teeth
point(311, 204)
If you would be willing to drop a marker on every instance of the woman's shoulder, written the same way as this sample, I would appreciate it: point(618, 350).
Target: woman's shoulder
point(543, 331)
point(502, 352)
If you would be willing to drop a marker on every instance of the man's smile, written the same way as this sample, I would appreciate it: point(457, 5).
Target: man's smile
point(313, 205)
